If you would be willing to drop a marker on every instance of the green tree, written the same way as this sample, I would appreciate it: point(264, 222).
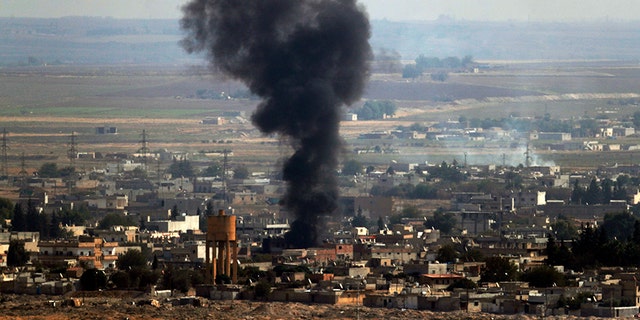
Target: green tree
point(467, 60)
point(132, 259)
point(443, 221)
point(93, 279)
point(154, 264)
point(451, 62)
point(423, 63)
point(424, 191)
point(241, 172)
point(593, 194)
point(17, 256)
point(376, 109)
point(32, 217)
point(352, 167)
point(181, 168)
point(407, 212)
point(498, 269)
point(619, 188)
point(619, 225)
point(564, 229)
point(544, 276)
point(462, 284)
point(213, 170)
point(120, 279)
point(636, 119)
point(19, 220)
point(577, 194)
point(48, 170)
point(606, 187)
point(66, 172)
point(181, 279)
point(446, 172)
point(138, 173)
point(116, 219)
point(262, 289)
point(588, 127)
point(209, 210)
point(174, 212)
point(447, 253)
point(410, 71)
point(359, 221)
point(441, 76)
point(6, 208)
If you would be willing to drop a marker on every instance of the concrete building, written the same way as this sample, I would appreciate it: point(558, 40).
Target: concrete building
point(88, 251)
point(181, 224)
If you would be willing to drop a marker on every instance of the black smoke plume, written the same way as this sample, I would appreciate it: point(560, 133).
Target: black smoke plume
point(305, 59)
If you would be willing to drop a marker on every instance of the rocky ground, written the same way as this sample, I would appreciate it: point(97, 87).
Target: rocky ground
point(128, 306)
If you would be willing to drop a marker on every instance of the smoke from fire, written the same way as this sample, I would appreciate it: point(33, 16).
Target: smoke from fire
point(305, 59)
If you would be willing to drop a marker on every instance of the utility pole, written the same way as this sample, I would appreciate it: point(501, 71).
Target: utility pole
point(23, 171)
point(72, 153)
point(144, 148)
point(5, 161)
point(225, 167)
point(158, 173)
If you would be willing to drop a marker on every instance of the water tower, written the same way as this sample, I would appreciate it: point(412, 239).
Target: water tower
point(222, 247)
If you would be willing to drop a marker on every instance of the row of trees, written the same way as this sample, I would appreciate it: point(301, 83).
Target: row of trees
point(601, 193)
point(499, 269)
point(376, 109)
point(48, 225)
point(184, 168)
point(134, 272)
point(51, 170)
point(423, 63)
point(615, 243)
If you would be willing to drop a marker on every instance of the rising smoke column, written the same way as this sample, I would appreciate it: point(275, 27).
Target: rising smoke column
point(305, 59)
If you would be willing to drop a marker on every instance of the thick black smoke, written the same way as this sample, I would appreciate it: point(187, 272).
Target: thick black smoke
point(305, 58)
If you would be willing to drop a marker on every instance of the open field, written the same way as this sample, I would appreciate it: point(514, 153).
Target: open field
point(41, 106)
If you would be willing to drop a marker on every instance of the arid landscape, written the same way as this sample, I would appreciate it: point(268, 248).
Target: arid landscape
point(137, 307)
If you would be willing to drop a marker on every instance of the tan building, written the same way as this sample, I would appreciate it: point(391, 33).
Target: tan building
point(86, 251)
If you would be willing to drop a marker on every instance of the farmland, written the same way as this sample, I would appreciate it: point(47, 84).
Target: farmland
point(41, 106)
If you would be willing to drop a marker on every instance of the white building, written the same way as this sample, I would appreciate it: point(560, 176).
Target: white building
point(180, 224)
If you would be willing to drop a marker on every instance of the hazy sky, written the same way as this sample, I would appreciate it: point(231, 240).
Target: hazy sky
point(494, 10)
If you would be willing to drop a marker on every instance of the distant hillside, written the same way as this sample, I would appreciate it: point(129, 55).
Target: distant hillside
point(510, 40)
point(87, 40)
point(84, 40)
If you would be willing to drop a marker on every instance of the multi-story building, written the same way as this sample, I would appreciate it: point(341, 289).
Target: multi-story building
point(91, 252)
